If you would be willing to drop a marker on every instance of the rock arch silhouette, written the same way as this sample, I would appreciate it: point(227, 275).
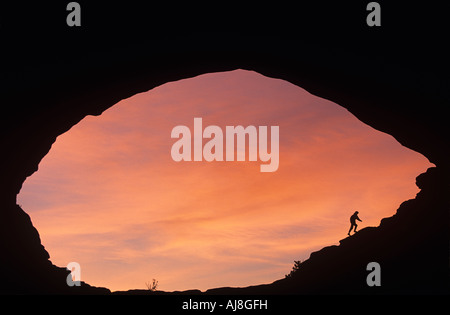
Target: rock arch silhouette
point(44, 102)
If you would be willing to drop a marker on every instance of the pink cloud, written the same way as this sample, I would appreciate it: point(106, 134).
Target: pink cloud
point(109, 196)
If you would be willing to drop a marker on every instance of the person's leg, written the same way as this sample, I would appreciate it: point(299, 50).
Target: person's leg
point(351, 227)
point(356, 225)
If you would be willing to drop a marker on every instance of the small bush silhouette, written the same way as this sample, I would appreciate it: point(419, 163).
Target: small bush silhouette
point(297, 264)
point(152, 286)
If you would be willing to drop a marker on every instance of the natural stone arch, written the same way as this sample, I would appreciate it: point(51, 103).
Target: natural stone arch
point(96, 88)
point(63, 100)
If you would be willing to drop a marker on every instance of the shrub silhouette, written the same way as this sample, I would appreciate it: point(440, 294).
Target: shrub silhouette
point(152, 286)
point(295, 268)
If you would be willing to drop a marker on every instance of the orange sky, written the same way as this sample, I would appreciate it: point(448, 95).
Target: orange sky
point(110, 197)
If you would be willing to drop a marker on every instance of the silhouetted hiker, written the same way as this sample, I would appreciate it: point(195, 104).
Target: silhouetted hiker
point(353, 219)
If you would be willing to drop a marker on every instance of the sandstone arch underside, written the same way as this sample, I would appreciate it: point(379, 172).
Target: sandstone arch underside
point(397, 90)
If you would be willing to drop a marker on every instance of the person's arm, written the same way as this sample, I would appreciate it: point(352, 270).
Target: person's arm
point(357, 218)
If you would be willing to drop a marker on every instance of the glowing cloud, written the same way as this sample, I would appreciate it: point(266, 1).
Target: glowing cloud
point(110, 197)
